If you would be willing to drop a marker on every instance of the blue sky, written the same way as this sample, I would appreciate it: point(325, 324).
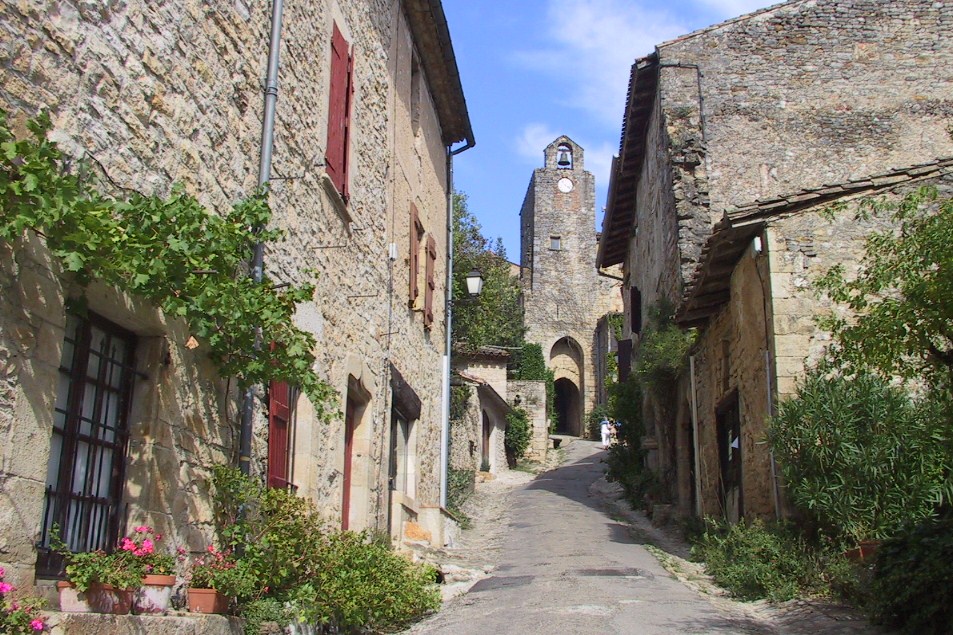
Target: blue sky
point(535, 69)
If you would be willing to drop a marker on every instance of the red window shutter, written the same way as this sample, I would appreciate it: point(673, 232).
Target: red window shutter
point(416, 229)
point(428, 292)
point(279, 437)
point(339, 107)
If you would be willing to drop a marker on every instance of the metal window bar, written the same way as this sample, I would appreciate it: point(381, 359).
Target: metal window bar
point(84, 497)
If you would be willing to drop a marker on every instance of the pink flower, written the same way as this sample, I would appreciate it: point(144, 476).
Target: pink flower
point(143, 529)
point(37, 625)
point(2, 572)
point(5, 587)
point(128, 545)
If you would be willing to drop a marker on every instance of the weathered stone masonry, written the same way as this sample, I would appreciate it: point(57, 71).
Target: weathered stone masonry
point(165, 92)
point(781, 111)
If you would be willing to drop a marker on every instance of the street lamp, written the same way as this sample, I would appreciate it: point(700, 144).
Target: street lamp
point(474, 283)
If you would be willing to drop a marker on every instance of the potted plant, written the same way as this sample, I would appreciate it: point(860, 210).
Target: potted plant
point(159, 571)
point(20, 616)
point(100, 582)
point(216, 577)
point(97, 581)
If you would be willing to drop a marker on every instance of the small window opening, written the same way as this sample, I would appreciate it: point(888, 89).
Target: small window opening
point(555, 243)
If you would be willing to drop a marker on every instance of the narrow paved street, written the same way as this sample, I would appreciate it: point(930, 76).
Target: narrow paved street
point(565, 566)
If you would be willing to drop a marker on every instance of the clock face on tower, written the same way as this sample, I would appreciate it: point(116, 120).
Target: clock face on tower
point(564, 185)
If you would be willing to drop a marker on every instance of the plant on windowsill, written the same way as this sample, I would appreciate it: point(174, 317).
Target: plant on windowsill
point(97, 581)
point(155, 593)
point(214, 578)
point(20, 616)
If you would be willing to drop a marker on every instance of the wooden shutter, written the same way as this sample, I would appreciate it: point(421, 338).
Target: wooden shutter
point(635, 308)
point(279, 436)
point(625, 359)
point(416, 229)
point(339, 111)
point(428, 291)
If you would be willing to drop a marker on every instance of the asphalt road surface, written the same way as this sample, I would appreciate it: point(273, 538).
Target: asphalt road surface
point(567, 567)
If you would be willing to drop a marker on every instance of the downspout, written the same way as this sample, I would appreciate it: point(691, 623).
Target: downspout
point(696, 445)
point(264, 176)
point(448, 312)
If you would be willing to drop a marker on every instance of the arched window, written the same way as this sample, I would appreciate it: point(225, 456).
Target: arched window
point(564, 156)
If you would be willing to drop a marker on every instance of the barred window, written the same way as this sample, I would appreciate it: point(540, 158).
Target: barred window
point(85, 472)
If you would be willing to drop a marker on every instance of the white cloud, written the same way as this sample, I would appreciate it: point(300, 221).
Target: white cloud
point(533, 141)
point(728, 9)
point(593, 44)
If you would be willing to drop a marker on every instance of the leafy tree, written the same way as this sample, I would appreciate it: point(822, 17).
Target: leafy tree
point(901, 293)
point(495, 317)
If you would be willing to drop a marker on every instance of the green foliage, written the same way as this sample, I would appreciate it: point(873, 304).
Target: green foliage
point(663, 351)
point(460, 485)
point(625, 463)
point(459, 397)
point(912, 586)
point(222, 571)
point(258, 613)
point(343, 580)
point(860, 455)
point(901, 293)
point(359, 587)
point(518, 434)
point(20, 616)
point(119, 569)
point(495, 317)
point(531, 365)
point(273, 530)
point(594, 421)
point(187, 261)
point(753, 560)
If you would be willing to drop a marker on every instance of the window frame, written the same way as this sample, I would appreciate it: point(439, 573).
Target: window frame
point(87, 519)
point(340, 99)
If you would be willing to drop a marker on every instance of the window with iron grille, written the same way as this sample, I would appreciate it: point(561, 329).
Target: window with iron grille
point(84, 478)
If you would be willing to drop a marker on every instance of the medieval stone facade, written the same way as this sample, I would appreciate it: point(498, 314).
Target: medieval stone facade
point(162, 93)
point(735, 138)
point(564, 297)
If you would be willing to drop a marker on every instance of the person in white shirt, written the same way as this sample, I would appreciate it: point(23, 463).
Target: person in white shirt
point(605, 427)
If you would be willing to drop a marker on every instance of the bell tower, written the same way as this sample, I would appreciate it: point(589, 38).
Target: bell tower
point(563, 296)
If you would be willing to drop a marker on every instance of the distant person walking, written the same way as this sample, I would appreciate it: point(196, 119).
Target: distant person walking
point(605, 427)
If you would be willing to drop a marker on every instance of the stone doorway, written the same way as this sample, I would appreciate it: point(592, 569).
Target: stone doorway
point(568, 420)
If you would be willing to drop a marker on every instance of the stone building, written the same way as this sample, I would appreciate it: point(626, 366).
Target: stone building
point(564, 297)
point(735, 138)
point(160, 93)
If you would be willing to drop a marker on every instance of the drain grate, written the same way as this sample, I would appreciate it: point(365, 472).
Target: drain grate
point(499, 582)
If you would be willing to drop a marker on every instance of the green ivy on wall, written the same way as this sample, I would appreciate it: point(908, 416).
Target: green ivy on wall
point(184, 259)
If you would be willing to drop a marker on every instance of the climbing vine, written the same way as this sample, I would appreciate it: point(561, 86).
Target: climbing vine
point(184, 259)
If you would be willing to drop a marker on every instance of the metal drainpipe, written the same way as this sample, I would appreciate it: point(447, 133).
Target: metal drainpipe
point(448, 311)
point(264, 176)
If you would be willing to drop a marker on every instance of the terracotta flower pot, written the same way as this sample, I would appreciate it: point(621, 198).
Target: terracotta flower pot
point(72, 600)
point(207, 601)
point(98, 598)
point(154, 595)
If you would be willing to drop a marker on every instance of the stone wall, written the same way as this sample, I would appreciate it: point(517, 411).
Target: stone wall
point(162, 93)
point(531, 397)
point(818, 91)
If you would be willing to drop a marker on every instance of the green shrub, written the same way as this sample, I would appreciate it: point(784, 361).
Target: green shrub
point(754, 561)
point(460, 484)
point(531, 363)
point(912, 586)
point(626, 460)
point(517, 436)
point(594, 421)
point(258, 613)
point(860, 455)
point(358, 586)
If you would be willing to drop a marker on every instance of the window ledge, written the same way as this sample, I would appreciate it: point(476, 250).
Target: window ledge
point(337, 202)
